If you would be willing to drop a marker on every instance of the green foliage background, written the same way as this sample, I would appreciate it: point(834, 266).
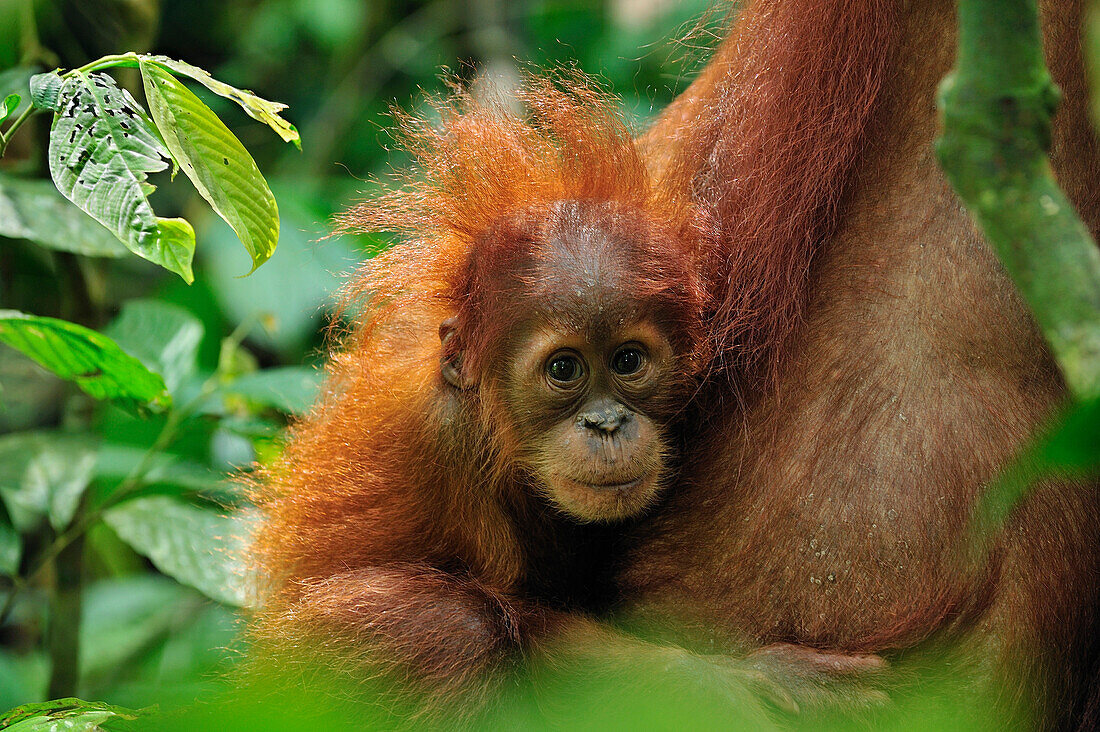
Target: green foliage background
point(118, 578)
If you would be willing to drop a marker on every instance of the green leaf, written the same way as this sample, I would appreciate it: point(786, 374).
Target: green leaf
point(197, 546)
point(90, 359)
point(35, 210)
point(11, 545)
point(46, 90)
point(23, 675)
point(16, 80)
point(229, 450)
point(258, 109)
point(1068, 448)
point(193, 661)
point(65, 714)
point(102, 149)
point(149, 637)
point(44, 474)
point(290, 389)
point(9, 105)
point(215, 161)
point(253, 427)
point(162, 336)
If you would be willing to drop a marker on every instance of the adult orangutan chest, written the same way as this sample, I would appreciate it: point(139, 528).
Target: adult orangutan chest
point(834, 511)
point(833, 564)
point(856, 571)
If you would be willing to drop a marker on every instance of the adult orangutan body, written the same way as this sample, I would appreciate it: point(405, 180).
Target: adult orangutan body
point(891, 369)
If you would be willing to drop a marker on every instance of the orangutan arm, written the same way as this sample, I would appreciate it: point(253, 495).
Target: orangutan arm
point(434, 632)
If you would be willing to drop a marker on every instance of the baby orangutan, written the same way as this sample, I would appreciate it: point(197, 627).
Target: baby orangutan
point(514, 387)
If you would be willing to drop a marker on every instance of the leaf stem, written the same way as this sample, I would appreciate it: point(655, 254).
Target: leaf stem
point(105, 62)
point(125, 59)
point(5, 137)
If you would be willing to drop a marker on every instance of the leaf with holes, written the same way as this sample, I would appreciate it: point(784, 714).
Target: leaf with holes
point(90, 359)
point(65, 714)
point(258, 109)
point(102, 148)
point(215, 161)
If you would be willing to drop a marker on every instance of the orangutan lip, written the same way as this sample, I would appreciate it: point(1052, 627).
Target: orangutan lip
point(613, 486)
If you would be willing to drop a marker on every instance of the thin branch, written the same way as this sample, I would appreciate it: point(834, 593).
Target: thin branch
point(5, 137)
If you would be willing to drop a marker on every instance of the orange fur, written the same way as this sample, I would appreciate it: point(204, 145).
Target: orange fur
point(401, 535)
point(765, 139)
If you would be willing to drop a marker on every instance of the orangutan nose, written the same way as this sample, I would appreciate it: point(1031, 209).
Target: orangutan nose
point(605, 419)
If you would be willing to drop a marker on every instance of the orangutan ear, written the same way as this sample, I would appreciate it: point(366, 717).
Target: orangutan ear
point(450, 361)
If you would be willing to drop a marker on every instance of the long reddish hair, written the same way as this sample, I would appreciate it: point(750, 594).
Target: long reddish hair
point(373, 474)
point(765, 139)
point(483, 166)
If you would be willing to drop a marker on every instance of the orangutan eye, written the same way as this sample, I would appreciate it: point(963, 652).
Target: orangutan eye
point(627, 361)
point(564, 369)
